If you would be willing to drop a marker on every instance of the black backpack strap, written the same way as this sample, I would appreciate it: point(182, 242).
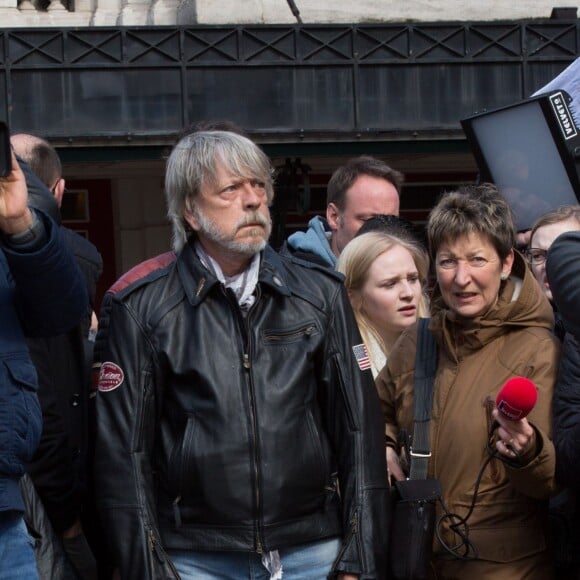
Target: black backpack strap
point(425, 369)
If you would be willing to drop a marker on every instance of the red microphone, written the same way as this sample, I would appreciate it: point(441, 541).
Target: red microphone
point(516, 398)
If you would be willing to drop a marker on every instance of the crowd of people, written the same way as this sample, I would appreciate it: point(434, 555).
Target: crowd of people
point(254, 408)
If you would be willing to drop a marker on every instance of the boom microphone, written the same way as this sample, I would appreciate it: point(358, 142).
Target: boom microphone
point(516, 398)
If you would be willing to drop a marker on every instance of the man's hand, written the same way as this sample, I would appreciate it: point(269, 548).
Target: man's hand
point(75, 530)
point(347, 577)
point(394, 466)
point(523, 239)
point(15, 215)
point(79, 552)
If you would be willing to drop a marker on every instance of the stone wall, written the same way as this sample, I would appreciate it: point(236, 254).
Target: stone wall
point(325, 11)
point(31, 13)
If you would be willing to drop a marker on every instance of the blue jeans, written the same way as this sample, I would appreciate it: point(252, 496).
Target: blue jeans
point(16, 549)
point(311, 561)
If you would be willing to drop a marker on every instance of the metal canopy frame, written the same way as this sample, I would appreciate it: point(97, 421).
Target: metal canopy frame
point(283, 83)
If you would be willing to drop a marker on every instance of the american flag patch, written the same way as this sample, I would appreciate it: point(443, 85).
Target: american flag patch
point(362, 357)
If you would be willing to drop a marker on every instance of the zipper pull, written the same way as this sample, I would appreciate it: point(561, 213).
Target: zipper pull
point(246, 360)
point(153, 547)
point(177, 511)
point(354, 523)
point(259, 548)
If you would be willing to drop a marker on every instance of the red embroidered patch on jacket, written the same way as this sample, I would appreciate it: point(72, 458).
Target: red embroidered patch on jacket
point(111, 376)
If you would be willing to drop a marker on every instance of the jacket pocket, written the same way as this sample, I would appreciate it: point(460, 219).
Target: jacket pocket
point(20, 414)
point(289, 335)
point(182, 463)
point(322, 464)
point(509, 543)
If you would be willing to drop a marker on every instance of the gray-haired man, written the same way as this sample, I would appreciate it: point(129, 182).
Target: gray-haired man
point(234, 396)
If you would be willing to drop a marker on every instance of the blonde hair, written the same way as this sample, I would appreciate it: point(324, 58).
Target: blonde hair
point(563, 213)
point(355, 262)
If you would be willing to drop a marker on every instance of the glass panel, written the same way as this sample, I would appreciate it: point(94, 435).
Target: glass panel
point(96, 102)
point(273, 98)
point(434, 96)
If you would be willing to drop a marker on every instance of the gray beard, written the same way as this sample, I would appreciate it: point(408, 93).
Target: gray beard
point(210, 230)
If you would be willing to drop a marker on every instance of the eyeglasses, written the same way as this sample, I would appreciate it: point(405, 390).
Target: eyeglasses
point(536, 256)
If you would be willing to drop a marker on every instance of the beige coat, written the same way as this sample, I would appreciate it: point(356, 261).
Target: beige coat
point(476, 357)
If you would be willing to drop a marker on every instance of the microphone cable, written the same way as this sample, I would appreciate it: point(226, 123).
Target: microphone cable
point(464, 549)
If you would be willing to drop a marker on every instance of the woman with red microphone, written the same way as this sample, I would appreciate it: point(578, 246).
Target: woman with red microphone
point(491, 322)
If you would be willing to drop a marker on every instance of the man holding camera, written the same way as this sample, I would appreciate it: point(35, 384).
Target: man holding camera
point(41, 293)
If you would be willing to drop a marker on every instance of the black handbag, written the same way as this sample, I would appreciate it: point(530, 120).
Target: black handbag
point(414, 499)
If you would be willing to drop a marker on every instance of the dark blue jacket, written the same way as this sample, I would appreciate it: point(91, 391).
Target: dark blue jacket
point(41, 293)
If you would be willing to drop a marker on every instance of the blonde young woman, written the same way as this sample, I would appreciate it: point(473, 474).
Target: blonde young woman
point(385, 275)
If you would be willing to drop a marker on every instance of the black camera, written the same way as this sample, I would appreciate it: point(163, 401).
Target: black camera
point(5, 156)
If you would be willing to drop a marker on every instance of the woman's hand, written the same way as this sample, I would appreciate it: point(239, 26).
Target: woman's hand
point(394, 468)
point(516, 438)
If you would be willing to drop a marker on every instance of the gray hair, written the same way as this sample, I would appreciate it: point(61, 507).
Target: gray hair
point(193, 164)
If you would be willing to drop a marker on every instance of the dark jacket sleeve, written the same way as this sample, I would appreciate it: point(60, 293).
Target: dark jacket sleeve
point(90, 264)
point(88, 258)
point(563, 271)
point(50, 294)
point(566, 409)
point(125, 403)
point(356, 430)
point(52, 469)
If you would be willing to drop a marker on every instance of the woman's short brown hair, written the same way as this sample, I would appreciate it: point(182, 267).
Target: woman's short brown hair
point(471, 209)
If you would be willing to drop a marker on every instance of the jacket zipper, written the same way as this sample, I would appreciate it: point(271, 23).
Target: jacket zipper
point(158, 553)
point(352, 534)
point(245, 327)
point(416, 543)
point(154, 547)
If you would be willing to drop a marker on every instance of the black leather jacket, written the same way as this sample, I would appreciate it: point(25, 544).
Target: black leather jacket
point(223, 432)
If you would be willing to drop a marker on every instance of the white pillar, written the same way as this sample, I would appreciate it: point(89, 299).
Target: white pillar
point(135, 13)
point(164, 12)
point(106, 13)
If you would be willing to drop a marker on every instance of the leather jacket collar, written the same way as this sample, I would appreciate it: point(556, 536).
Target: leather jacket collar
point(197, 281)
